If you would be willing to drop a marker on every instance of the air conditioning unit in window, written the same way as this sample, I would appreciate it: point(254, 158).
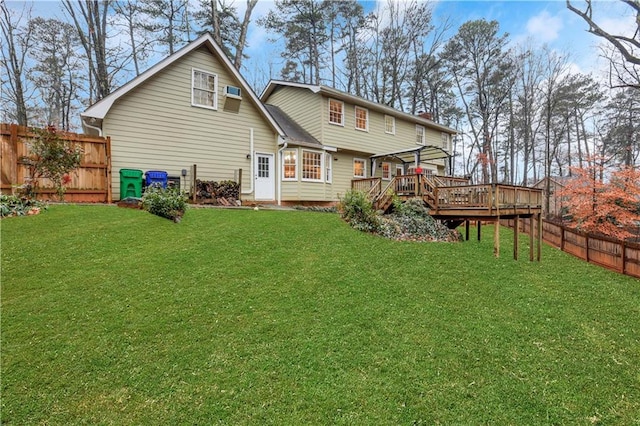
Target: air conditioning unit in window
point(233, 92)
point(232, 99)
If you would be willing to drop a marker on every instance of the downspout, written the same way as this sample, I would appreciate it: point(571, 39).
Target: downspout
point(278, 161)
point(251, 176)
point(97, 129)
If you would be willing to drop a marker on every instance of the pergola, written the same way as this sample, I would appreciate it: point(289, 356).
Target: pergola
point(413, 155)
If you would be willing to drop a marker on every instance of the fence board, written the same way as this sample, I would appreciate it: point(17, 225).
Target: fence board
point(610, 253)
point(90, 183)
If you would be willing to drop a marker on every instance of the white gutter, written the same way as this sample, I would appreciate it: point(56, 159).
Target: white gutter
point(97, 129)
point(278, 160)
point(251, 178)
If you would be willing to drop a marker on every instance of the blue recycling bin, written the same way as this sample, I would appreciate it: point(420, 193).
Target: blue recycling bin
point(156, 176)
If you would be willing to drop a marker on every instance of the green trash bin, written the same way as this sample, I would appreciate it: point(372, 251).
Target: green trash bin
point(130, 183)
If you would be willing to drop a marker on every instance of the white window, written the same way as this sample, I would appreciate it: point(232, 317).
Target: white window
point(336, 112)
point(312, 166)
point(445, 141)
point(386, 171)
point(389, 124)
point(328, 167)
point(290, 164)
point(362, 119)
point(204, 92)
point(420, 135)
point(399, 169)
point(359, 168)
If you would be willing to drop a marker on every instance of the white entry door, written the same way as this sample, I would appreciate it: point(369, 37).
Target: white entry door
point(264, 177)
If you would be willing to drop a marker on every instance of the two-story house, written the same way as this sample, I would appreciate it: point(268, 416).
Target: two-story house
point(296, 143)
point(346, 138)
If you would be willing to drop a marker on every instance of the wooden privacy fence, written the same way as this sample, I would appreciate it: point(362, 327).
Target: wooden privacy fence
point(620, 256)
point(90, 183)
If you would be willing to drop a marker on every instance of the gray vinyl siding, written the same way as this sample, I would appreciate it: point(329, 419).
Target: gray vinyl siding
point(155, 127)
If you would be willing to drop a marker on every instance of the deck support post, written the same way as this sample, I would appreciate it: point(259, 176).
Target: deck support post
point(479, 230)
point(516, 232)
point(466, 229)
point(531, 239)
point(539, 236)
point(496, 238)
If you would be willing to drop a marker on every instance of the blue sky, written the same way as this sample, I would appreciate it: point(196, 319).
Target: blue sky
point(537, 21)
point(540, 21)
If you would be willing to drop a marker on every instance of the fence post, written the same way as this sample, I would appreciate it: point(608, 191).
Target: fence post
point(586, 243)
point(108, 171)
point(13, 140)
point(624, 257)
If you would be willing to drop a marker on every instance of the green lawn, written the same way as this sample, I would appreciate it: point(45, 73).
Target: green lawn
point(116, 316)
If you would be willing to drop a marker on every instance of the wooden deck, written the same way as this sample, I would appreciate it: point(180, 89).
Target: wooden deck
point(449, 198)
point(454, 201)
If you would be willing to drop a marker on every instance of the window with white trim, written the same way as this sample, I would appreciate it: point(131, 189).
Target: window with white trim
point(362, 119)
point(328, 167)
point(390, 124)
point(204, 89)
point(312, 166)
point(290, 164)
point(359, 168)
point(336, 112)
point(420, 135)
point(445, 140)
point(386, 171)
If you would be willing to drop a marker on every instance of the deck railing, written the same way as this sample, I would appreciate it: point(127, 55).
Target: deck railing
point(492, 197)
point(451, 181)
point(407, 185)
point(371, 186)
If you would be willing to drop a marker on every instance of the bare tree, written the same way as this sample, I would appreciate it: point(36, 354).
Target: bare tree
point(17, 42)
point(130, 16)
point(90, 20)
point(627, 46)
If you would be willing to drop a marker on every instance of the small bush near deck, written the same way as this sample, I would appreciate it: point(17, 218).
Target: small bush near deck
point(411, 221)
point(358, 210)
point(10, 205)
point(167, 203)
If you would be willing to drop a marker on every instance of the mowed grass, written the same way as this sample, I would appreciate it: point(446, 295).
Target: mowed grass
point(115, 316)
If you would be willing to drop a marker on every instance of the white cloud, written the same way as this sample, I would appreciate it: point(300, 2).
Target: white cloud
point(544, 27)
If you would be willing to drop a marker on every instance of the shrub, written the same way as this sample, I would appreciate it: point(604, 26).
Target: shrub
point(411, 221)
point(358, 210)
point(167, 203)
point(51, 157)
point(10, 205)
point(413, 207)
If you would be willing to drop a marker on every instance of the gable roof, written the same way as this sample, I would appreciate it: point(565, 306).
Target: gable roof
point(356, 100)
point(100, 109)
